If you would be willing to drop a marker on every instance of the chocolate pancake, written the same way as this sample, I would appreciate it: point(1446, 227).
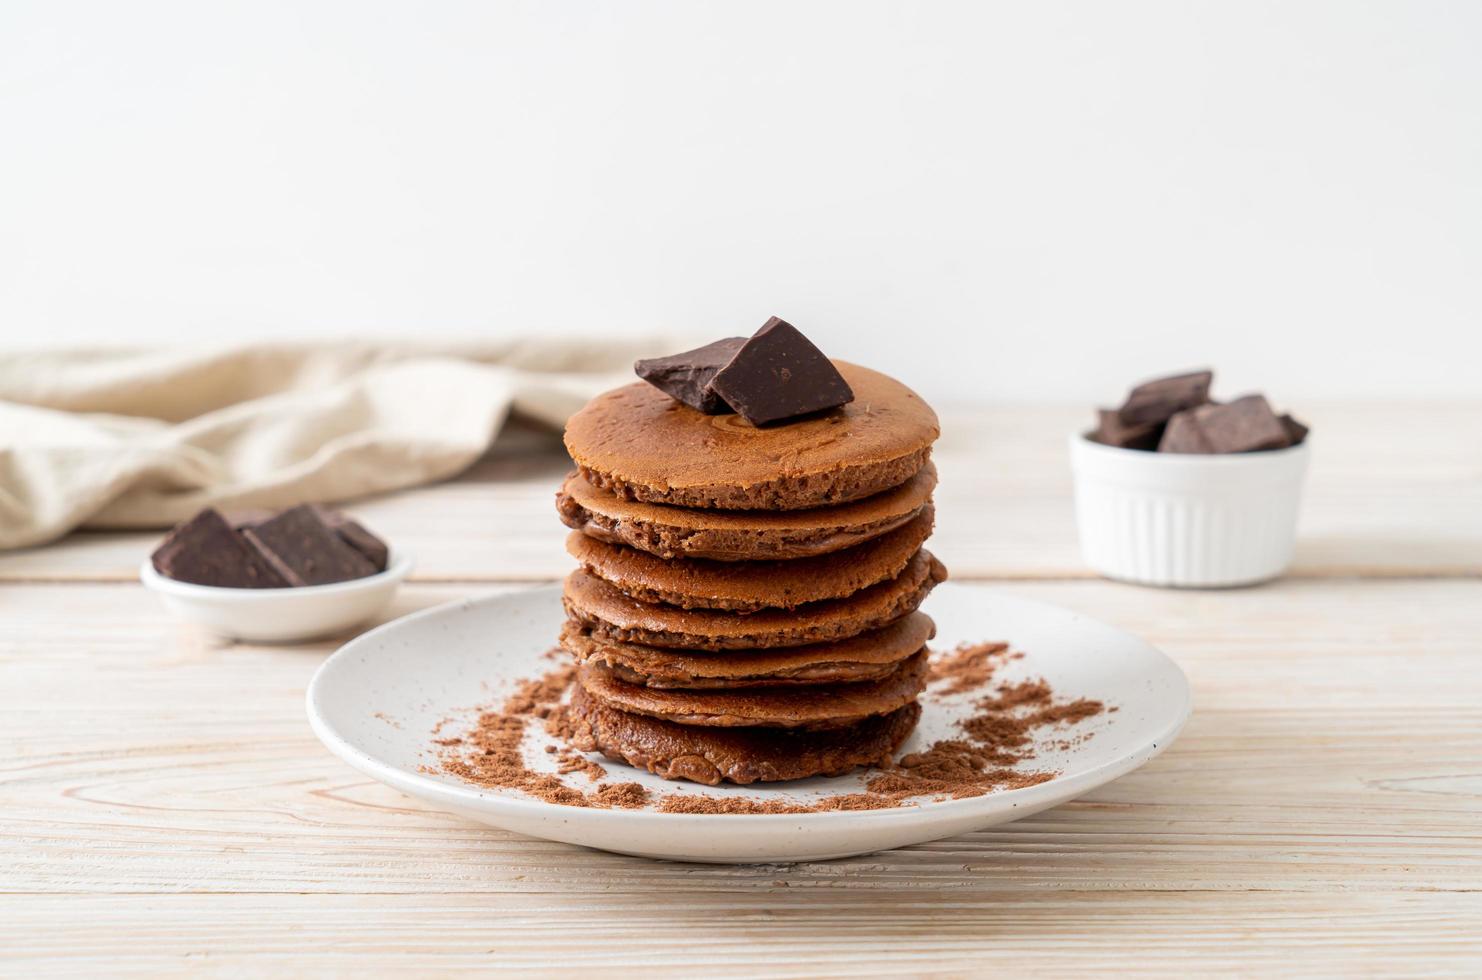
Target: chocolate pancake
point(869, 656)
point(639, 443)
point(610, 615)
point(736, 755)
point(739, 535)
point(746, 586)
point(819, 706)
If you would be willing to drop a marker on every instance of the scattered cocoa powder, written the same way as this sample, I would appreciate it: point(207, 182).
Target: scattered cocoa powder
point(700, 803)
point(492, 754)
point(967, 667)
point(540, 696)
point(570, 760)
point(1005, 721)
point(624, 796)
point(999, 735)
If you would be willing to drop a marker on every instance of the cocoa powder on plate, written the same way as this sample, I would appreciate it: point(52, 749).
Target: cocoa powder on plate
point(999, 735)
point(968, 666)
point(492, 752)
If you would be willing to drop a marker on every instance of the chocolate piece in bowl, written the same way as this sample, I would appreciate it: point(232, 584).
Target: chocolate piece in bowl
point(1183, 435)
point(778, 374)
point(1112, 431)
point(356, 536)
point(685, 377)
point(305, 550)
point(1245, 425)
point(350, 531)
point(1160, 399)
point(206, 550)
point(1295, 431)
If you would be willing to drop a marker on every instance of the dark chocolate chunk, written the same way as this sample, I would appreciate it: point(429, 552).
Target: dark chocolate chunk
point(206, 550)
point(307, 551)
point(1162, 398)
point(1245, 425)
point(356, 536)
point(1295, 431)
point(778, 374)
point(684, 377)
point(1112, 432)
point(1183, 435)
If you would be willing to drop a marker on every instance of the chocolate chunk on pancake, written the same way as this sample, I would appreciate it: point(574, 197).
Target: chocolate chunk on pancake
point(867, 656)
point(777, 375)
point(639, 443)
point(746, 586)
point(819, 706)
point(685, 376)
point(736, 755)
point(740, 535)
point(610, 615)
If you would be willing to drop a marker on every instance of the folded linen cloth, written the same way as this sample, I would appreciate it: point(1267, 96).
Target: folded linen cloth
point(137, 439)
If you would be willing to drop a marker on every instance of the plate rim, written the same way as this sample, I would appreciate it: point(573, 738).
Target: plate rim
point(1040, 795)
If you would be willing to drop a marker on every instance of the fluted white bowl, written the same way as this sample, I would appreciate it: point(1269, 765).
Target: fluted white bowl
point(1173, 519)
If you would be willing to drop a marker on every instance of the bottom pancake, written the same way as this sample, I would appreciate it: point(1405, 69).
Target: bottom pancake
point(736, 755)
point(865, 657)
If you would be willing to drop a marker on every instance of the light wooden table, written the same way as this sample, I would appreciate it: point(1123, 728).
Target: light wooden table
point(165, 809)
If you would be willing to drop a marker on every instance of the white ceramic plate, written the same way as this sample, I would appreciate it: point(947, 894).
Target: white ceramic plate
point(376, 701)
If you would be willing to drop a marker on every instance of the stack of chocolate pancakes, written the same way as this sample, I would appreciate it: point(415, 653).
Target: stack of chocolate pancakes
point(746, 603)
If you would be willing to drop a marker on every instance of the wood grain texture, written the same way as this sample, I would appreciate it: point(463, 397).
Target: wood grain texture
point(166, 809)
point(774, 930)
point(166, 805)
point(1394, 490)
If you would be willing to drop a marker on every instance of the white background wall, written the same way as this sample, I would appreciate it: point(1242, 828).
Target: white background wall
point(1006, 200)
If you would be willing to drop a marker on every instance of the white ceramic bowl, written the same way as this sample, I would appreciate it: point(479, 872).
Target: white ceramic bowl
point(280, 615)
point(1187, 520)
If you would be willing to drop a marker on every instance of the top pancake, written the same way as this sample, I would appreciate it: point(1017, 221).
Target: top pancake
point(641, 444)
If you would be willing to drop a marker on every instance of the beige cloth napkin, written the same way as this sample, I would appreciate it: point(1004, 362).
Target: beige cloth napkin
point(132, 439)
